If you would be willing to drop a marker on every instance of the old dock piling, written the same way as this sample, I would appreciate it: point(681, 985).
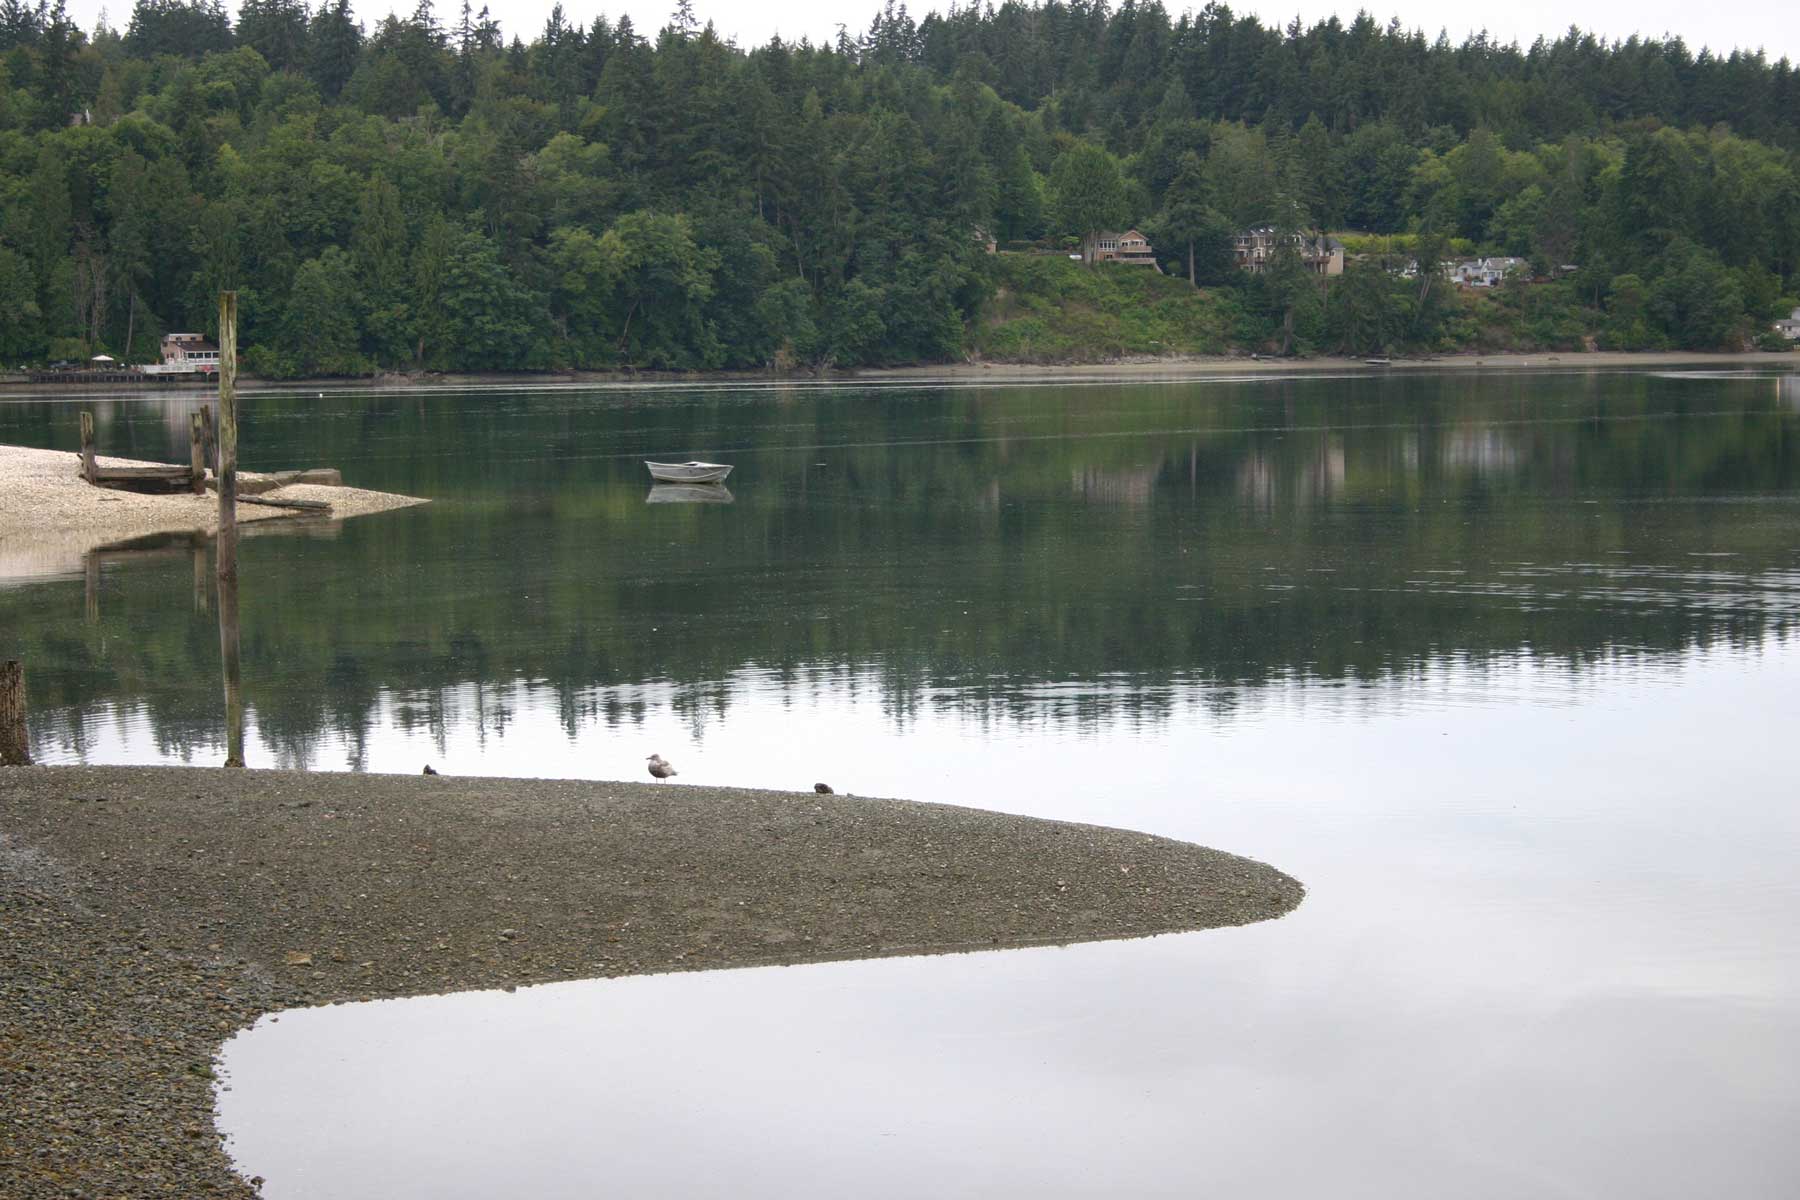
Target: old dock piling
point(87, 448)
point(197, 454)
point(212, 438)
point(15, 741)
point(228, 437)
point(142, 479)
point(226, 553)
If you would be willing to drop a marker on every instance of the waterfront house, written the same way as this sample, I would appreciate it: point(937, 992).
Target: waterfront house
point(1790, 328)
point(1129, 247)
point(190, 350)
point(1483, 272)
point(1319, 253)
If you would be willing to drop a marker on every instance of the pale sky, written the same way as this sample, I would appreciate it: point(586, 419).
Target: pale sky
point(1772, 25)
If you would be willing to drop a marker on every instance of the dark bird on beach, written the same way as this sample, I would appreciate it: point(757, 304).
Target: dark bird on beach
point(660, 768)
point(824, 789)
point(429, 770)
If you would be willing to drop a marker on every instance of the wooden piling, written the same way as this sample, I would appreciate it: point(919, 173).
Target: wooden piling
point(227, 543)
point(87, 447)
point(197, 454)
point(228, 437)
point(212, 438)
point(15, 740)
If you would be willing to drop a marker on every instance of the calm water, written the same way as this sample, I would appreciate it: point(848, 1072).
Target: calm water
point(1502, 667)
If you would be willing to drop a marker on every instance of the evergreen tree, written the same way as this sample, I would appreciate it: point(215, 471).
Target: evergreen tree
point(1089, 195)
point(335, 44)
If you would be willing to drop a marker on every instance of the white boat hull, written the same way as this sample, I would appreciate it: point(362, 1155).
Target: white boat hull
point(689, 472)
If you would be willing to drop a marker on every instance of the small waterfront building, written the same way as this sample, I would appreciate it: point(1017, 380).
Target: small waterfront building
point(1790, 328)
point(1319, 253)
point(190, 350)
point(1483, 272)
point(1129, 247)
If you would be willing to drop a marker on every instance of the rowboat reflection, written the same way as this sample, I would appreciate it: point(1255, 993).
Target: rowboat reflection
point(689, 493)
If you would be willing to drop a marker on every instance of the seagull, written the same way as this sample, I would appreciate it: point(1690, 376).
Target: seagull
point(824, 789)
point(660, 768)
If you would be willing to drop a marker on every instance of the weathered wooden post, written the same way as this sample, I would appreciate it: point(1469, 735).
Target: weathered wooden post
point(212, 438)
point(197, 455)
point(228, 437)
point(15, 742)
point(227, 551)
point(87, 446)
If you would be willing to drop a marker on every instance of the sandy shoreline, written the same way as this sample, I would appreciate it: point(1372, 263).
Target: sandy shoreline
point(146, 913)
point(50, 517)
point(1176, 366)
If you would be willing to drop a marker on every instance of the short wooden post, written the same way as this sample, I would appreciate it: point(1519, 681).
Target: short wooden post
point(87, 446)
point(212, 438)
point(15, 741)
point(227, 548)
point(197, 455)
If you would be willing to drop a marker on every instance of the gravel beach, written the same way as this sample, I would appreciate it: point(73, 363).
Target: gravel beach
point(50, 516)
point(149, 912)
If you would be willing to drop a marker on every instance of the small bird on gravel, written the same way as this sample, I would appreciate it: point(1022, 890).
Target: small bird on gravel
point(429, 770)
point(660, 768)
point(824, 789)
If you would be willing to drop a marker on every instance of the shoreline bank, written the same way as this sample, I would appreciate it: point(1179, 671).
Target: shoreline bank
point(50, 517)
point(1126, 368)
point(150, 912)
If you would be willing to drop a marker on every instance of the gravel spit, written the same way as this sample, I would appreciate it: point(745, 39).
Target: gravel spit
point(149, 912)
point(50, 516)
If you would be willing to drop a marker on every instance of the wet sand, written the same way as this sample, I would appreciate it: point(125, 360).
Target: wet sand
point(147, 913)
point(50, 517)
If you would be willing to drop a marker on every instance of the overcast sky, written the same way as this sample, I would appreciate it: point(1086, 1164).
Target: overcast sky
point(1772, 25)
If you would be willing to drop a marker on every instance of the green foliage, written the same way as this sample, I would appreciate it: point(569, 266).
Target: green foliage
point(321, 313)
point(1189, 221)
point(1088, 194)
point(486, 315)
point(1696, 300)
point(591, 198)
point(657, 282)
point(1048, 309)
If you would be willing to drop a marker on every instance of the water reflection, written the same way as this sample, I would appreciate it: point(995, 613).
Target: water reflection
point(689, 493)
point(941, 547)
point(1551, 947)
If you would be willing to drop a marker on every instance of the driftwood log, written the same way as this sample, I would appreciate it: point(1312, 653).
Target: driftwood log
point(297, 505)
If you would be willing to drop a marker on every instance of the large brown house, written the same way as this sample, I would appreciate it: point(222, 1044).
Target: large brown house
point(1128, 247)
point(1320, 253)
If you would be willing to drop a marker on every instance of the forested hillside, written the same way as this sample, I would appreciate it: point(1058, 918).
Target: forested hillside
point(438, 193)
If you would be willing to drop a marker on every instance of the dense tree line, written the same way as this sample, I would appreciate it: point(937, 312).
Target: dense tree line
point(423, 194)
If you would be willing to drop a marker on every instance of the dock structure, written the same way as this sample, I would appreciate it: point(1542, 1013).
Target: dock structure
point(191, 477)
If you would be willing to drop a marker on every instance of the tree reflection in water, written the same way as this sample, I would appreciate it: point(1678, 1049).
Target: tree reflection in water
point(1030, 554)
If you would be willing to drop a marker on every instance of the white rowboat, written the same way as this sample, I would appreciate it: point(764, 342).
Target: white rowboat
point(689, 472)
